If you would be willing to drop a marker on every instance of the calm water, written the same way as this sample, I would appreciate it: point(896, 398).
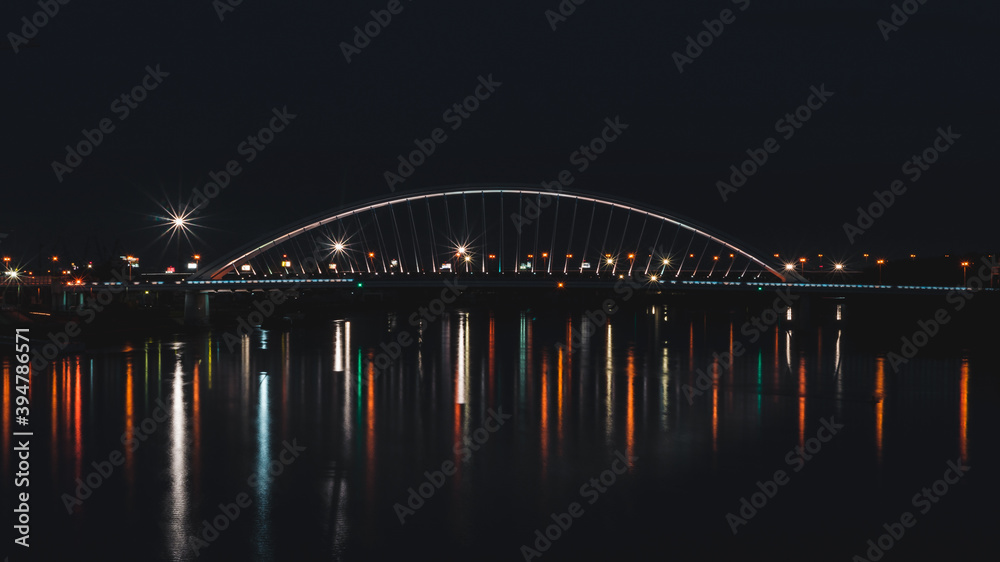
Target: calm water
point(346, 441)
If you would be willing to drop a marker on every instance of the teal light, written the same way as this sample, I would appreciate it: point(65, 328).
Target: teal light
point(359, 284)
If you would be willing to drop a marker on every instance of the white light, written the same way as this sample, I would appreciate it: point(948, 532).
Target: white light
point(339, 247)
point(192, 265)
point(245, 267)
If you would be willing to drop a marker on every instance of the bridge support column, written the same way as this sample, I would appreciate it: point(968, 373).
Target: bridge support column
point(196, 311)
point(59, 300)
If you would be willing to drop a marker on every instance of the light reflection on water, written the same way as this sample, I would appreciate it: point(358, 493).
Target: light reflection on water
point(373, 433)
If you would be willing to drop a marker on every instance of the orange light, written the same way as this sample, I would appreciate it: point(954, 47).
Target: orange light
point(631, 256)
point(880, 262)
point(803, 260)
point(716, 258)
point(560, 285)
point(732, 255)
point(775, 255)
point(545, 254)
point(569, 255)
point(55, 258)
point(493, 256)
point(371, 254)
point(691, 256)
point(6, 259)
point(197, 256)
point(866, 255)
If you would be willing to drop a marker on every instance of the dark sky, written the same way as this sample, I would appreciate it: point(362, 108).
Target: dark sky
point(607, 59)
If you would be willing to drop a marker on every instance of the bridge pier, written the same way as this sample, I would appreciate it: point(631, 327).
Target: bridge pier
point(196, 309)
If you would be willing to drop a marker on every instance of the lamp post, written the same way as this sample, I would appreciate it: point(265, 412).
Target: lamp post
point(880, 263)
point(965, 272)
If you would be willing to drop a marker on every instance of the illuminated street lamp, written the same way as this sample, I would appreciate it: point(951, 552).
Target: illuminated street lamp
point(131, 261)
point(880, 264)
point(965, 272)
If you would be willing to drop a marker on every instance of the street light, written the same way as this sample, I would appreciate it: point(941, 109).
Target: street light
point(880, 263)
point(965, 271)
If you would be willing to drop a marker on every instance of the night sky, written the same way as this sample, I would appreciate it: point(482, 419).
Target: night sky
point(606, 59)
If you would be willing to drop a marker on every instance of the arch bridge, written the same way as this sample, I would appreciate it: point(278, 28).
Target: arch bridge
point(513, 234)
